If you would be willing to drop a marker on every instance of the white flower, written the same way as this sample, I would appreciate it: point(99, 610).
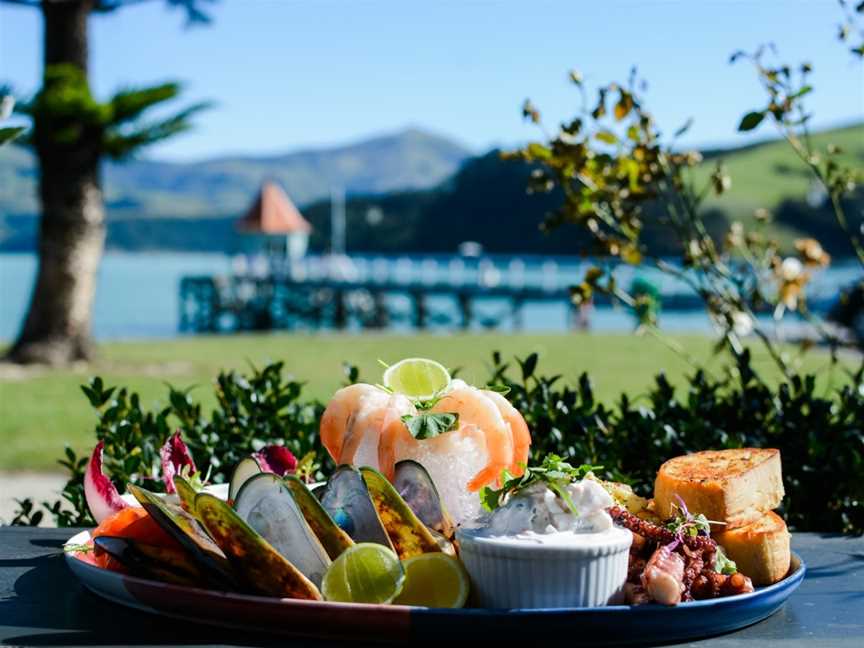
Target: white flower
point(791, 269)
point(7, 104)
point(742, 323)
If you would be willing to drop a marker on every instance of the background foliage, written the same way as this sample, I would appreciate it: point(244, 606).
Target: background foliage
point(819, 435)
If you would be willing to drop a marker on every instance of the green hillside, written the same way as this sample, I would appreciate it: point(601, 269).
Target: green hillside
point(410, 159)
point(768, 174)
point(485, 200)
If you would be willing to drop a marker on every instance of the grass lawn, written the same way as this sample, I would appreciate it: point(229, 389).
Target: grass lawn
point(41, 410)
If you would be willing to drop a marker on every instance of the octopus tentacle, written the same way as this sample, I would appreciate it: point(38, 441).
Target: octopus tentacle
point(658, 534)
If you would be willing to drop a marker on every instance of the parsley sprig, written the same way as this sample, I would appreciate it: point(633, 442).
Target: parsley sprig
point(556, 473)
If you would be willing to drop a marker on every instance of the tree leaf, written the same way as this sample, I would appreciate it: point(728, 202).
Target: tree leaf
point(684, 128)
point(801, 92)
point(606, 136)
point(751, 120)
point(9, 133)
point(624, 105)
point(538, 151)
point(528, 365)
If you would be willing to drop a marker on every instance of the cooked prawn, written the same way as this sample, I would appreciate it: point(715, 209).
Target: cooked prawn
point(355, 417)
point(363, 424)
point(474, 408)
point(519, 429)
point(338, 416)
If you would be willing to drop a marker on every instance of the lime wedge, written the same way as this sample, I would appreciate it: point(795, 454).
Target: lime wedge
point(417, 378)
point(364, 573)
point(434, 580)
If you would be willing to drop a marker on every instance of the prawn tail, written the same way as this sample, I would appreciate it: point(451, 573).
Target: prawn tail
point(486, 476)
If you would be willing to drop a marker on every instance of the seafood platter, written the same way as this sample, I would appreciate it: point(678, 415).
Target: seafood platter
point(437, 513)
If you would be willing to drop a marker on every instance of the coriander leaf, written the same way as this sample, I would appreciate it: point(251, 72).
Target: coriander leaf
point(490, 498)
point(553, 471)
point(428, 425)
point(723, 564)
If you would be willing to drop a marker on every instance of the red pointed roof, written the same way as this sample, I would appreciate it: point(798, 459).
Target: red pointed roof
point(273, 213)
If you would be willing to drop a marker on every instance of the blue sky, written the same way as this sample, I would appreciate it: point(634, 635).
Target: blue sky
point(288, 74)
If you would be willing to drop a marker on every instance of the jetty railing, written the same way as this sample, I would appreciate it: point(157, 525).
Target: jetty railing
point(320, 292)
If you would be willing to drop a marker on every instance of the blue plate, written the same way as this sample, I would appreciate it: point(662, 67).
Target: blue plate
point(617, 624)
point(612, 625)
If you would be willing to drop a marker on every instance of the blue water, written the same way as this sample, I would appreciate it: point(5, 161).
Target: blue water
point(137, 294)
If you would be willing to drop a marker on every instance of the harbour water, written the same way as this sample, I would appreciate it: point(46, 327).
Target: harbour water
point(137, 295)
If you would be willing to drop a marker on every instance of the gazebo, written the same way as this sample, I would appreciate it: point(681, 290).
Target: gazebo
point(273, 225)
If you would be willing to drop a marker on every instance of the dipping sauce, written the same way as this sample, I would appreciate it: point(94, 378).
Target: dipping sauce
point(543, 548)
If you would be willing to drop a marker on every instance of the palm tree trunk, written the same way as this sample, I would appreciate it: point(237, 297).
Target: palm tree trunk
point(56, 329)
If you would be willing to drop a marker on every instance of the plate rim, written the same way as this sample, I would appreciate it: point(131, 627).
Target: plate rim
point(789, 582)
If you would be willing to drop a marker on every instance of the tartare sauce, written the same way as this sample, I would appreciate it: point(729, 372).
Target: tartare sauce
point(538, 515)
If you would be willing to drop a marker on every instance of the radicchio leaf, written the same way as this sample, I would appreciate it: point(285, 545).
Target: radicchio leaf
point(175, 457)
point(102, 497)
point(276, 459)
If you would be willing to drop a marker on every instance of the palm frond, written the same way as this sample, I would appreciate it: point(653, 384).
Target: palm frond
point(129, 104)
point(121, 142)
point(195, 13)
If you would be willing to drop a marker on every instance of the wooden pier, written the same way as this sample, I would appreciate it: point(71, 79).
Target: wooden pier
point(338, 293)
point(213, 304)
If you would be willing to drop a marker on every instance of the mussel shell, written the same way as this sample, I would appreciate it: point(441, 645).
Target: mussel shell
point(415, 486)
point(263, 569)
point(186, 494)
point(267, 505)
point(346, 499)
point(152, 561)
point(407, 533)
point(181, 526)
point(332, 537)
point(246, 469)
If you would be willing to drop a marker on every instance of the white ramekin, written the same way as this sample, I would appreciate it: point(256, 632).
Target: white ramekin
point(509, 574)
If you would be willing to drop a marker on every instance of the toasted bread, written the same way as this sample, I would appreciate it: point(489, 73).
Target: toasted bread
point(761, 549)
point(735, 487)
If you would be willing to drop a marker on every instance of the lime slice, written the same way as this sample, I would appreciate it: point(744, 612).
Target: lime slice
point(417, 378)
point(434, 580)
point(364, 573)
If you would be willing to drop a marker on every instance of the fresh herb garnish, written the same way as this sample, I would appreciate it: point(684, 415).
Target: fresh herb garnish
point(556, 473)
point(723, 564)
point(307, 467)
point(685, 523)
point(195, 479)
point(430, 424)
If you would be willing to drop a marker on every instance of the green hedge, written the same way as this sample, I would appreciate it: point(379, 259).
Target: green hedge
point(820, 435)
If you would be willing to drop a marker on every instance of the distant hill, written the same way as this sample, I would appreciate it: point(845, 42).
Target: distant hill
point(410, 159)
point(485, 201)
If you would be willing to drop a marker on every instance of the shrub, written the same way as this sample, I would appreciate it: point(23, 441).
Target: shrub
point(252, 411)
point(820, 436)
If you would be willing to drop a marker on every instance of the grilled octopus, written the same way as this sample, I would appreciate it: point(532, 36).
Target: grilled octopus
point(668, 568)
